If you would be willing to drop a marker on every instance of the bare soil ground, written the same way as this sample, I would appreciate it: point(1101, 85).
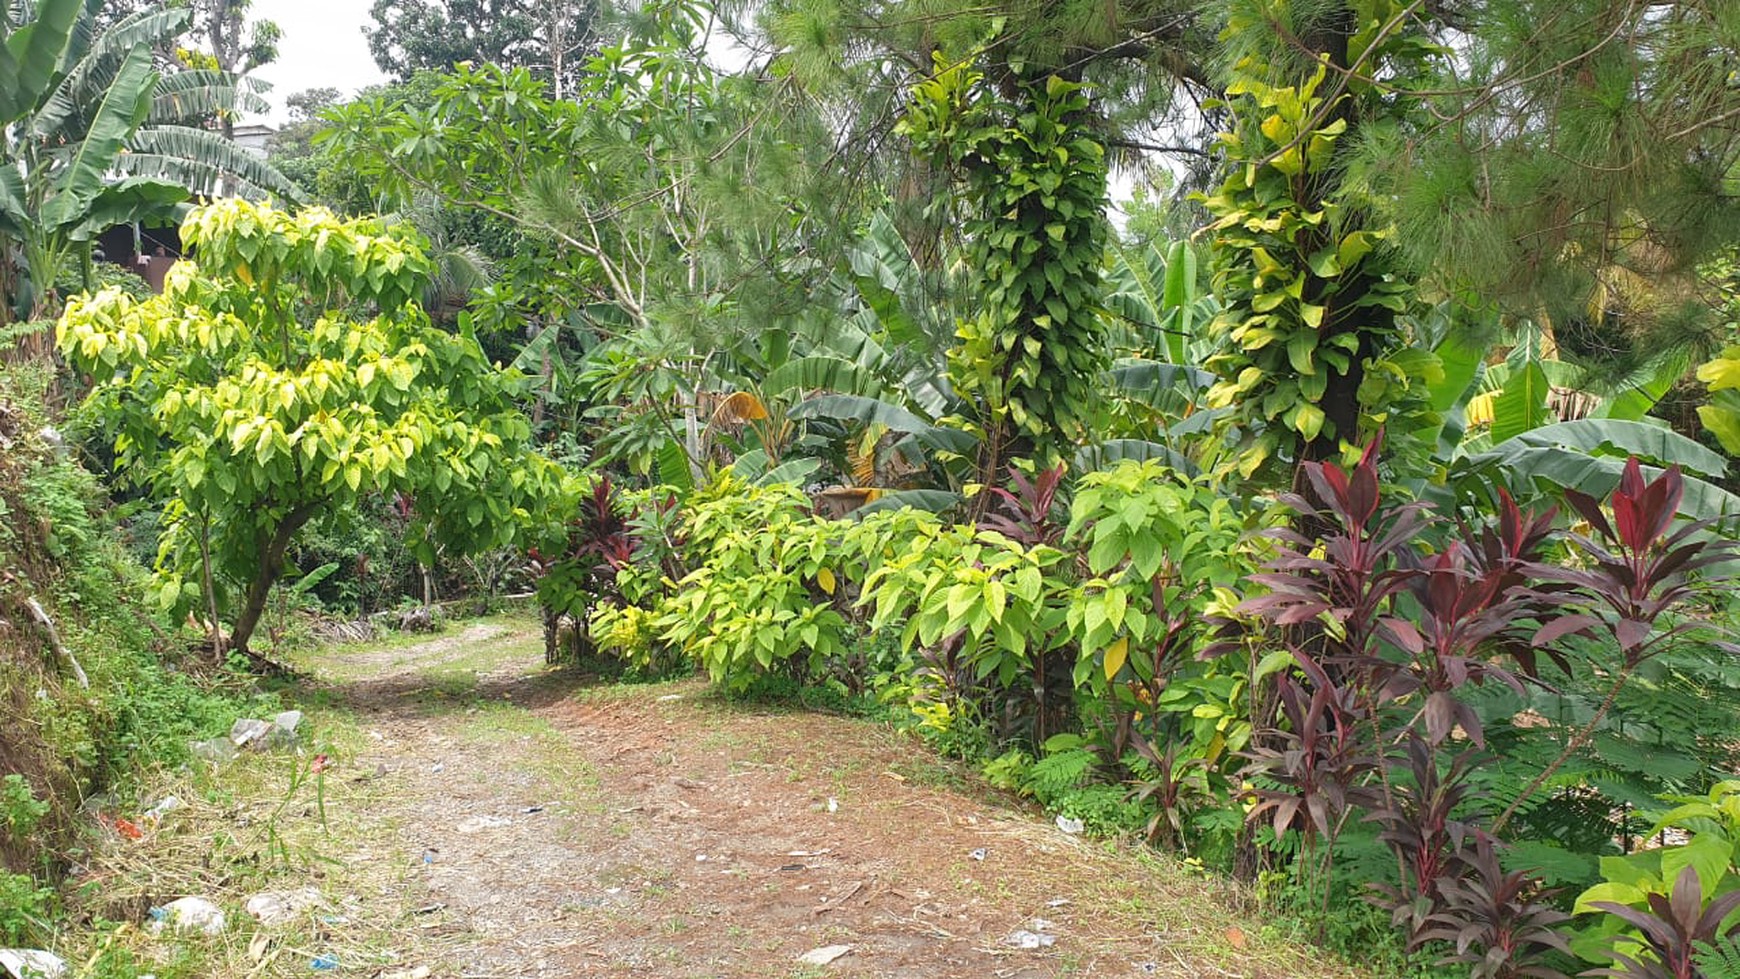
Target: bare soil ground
point(482, 816)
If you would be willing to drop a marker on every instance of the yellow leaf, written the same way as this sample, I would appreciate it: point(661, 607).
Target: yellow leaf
point(1116, 654)
point(740, 406)
point(825, 578)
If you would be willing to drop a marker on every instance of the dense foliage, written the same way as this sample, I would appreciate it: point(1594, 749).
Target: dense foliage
point(1355, 517)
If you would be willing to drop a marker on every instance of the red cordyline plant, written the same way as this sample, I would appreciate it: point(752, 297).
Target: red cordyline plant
point(1386, 636)
point(1499, 922)
point(1673, 927)
point(1024, 513)
point(1639, 571)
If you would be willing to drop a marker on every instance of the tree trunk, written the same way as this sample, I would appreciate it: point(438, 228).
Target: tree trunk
point(271, 566)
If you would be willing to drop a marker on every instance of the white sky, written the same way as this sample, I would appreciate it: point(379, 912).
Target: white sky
point(323, 45)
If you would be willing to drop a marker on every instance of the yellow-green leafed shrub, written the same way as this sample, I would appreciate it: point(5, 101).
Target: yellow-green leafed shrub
point(760, 592)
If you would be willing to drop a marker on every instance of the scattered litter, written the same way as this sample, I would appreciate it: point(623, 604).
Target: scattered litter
point(420, 972)
point(437, 767)
point(129, 829)
point(429, 908)
point(1073, 827)
point(319, 764)
point(833, 805)
point(477, 824)
point(278, 907)
point(258, 945)
point(1040, 924)
point(824, 955)
point(700, 858)
point(810, 853)
point(165, 806)
point(188, 914)
point(247, 730)
point(214, 752)
point(324, 963)
point(669, 697)
point(30, 963)
point(1057, 902)
point(1022, 938)
point(283, 731)
point(1149, 967)
point(791, 868)
point(979, 854)
point(530, 810)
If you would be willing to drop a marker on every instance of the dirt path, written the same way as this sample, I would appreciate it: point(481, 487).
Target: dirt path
point(488, 818)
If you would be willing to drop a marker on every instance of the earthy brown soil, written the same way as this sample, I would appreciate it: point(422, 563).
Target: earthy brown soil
point(496, 819)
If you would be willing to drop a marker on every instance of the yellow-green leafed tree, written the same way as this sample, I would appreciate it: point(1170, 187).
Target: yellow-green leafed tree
point(285, 372)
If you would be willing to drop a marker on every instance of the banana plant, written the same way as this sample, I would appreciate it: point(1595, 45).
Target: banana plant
point(1532, 422)
point(92, 135)
point(1153, 305)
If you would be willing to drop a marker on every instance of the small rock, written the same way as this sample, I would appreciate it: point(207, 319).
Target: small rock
point(1073, 827)
point(478, 824)
point(824, 955)
point(1022, 938)
point(670, 697)
point(278, 907)
point(979, 854)
point(833, 805)
point(30, 963)
point(190, 914)
point(1041, 924)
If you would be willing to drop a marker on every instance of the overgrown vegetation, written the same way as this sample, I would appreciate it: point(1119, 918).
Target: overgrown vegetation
point(1356, 521)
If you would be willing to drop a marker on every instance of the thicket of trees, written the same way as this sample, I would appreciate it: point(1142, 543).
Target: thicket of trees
point(1352, 516)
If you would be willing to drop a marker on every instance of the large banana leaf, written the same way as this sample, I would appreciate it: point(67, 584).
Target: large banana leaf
point(204, 162)
point(1091, 458)
point(30, 56)
point(935, 501)
point(14, 215)
point(130, 200)
point(1155, 292)
point(1640, 392)
point(122, 109)
point(1609, 436)
point(1589, 455)
point(891, 282)
point(1522, 406)
point(795, 471)
point(93, 73)
point(203, 93)
point(820, 372)
point(1157, 384)
point(863, 411)
point(674, 468)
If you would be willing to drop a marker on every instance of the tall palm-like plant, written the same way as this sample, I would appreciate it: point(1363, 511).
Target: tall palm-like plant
point(93, 136)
